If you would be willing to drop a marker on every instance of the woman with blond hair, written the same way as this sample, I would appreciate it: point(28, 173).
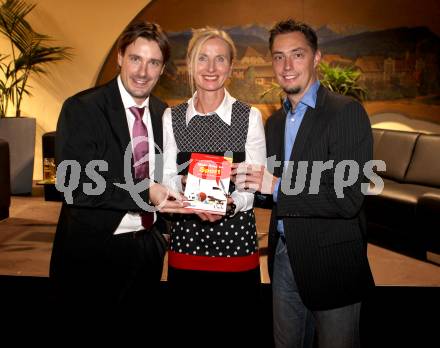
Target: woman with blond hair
point(213, 259)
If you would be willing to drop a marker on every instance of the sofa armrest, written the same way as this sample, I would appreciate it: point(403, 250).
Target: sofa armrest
point(428, 216)
point(428, 206)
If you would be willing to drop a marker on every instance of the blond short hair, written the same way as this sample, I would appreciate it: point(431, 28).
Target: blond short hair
point(199, 37)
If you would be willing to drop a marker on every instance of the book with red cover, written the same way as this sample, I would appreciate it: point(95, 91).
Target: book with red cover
point(207, 184)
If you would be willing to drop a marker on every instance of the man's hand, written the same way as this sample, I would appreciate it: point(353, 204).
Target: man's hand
point(168, 201)
point(252, 178)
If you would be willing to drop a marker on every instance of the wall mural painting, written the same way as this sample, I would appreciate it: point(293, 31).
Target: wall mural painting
point(399, 64)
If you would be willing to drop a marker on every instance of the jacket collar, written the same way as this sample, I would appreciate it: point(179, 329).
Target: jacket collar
point(311, 118)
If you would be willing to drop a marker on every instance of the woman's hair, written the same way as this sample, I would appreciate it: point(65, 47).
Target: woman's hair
point(199, 37)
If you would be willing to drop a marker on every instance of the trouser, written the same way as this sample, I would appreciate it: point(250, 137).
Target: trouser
point(117, 285)
point(295, 326)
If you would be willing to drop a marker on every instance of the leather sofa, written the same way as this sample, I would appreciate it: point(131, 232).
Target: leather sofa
point(406, 215)
point(5, 181)
point(429, 216)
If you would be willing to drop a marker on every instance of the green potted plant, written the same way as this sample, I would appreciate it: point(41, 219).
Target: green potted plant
point(342, 80)
point(339, 79)
point(29, 54)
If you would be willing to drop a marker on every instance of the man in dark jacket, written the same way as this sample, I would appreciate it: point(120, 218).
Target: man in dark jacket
point(317, 241)
point(109, 246)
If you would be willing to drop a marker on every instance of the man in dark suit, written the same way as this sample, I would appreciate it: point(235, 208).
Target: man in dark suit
point(317, 241)
point(108, 252)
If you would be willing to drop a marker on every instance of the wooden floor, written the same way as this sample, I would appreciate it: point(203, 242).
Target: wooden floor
point(398, 313)
point(26, 243)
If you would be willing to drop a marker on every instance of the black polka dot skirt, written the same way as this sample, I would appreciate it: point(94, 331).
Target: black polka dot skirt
point(195, 244)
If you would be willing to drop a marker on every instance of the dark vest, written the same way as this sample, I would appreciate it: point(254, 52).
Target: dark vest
point(228, 237)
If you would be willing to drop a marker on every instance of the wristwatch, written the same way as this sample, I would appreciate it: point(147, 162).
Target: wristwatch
point(231, 211)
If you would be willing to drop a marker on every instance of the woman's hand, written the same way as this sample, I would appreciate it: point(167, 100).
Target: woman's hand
point(183, 182)
point(209, 216)
point(212, 217)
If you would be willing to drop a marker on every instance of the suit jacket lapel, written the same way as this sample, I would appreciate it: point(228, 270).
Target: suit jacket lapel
point(118, 122)
point(303, 134)
point(309, 122)
point(116, 115)
point(281, 138)
point(156, 122)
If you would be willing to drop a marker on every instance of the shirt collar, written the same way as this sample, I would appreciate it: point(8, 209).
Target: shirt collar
point(224, 110)
point(308, 99)
point(127, 99)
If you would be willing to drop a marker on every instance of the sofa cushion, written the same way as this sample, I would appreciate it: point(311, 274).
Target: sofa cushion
point(396, 149)
point(396, 206)
point(424, 168)
point(408, 193)
point(386, 211)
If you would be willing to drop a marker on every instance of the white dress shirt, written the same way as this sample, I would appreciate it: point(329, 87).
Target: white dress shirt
point(132, 221)
point(255, 146)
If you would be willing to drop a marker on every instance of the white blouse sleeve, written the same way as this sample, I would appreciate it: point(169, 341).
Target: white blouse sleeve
point(170, 177)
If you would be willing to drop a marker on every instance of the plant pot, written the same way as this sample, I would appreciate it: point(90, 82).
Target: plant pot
point(19, 132)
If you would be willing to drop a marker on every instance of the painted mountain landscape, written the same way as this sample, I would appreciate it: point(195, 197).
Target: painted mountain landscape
point(399, 63)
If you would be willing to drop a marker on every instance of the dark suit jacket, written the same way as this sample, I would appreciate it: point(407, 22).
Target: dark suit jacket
point(93, 126)
point(326, 235)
